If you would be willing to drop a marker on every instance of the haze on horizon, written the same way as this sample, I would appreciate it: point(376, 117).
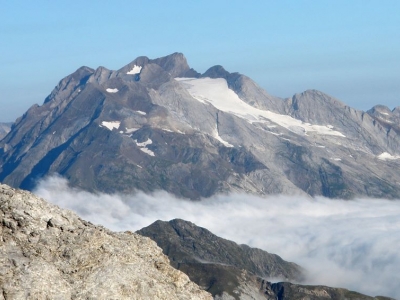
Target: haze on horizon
point(348, 50)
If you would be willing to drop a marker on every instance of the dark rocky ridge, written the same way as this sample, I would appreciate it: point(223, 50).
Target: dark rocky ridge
point(231, 271)
point(217, 265)
point(191, 153)
point(184, 242)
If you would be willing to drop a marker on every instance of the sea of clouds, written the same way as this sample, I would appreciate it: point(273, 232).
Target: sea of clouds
point(351, 244)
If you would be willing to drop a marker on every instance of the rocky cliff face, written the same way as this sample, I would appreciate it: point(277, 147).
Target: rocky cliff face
point(157, 124)
point(49, 253)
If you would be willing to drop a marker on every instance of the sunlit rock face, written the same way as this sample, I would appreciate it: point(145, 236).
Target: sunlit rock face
point(50, 253)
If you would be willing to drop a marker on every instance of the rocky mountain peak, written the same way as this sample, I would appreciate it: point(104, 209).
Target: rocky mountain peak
point(390, 119)
point(396, 111)
point(157, 124)
point(174, 65)
point(217, 71)
point(380, 109)
point(69, 84)
point(313, 106)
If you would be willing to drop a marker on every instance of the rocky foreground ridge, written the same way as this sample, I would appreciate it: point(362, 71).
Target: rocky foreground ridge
point(50, 253)
point(156, 124)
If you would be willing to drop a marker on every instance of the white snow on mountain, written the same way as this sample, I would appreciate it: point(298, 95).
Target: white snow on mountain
point(130, 130)
point(141, 112)
point(144, 144)
point(387, 156)
point(217, 93)
point(135, 70)
point(142, 147)
point(217, 136)
point(112, 90)
point(147, 151)
point(111, 125)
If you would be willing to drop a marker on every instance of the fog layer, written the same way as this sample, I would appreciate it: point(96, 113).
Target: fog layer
point(350, 244)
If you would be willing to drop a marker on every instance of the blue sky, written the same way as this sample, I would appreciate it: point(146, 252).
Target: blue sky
point(347, 49)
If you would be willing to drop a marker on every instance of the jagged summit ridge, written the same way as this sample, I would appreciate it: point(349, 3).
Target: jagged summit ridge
point(157, 124)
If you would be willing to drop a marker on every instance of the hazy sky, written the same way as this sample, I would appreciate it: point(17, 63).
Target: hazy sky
point(348, 49)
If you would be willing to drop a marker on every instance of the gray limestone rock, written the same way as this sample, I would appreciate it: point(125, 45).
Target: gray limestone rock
point(50, 253)
point(145, 127)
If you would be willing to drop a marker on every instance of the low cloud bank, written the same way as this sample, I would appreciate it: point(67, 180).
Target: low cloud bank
point(350, 244)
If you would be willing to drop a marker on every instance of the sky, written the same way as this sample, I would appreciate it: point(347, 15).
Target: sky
point(348, 244)
point(347, 49)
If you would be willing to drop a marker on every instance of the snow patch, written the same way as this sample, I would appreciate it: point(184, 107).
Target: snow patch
point(388, 156)
point(141, 112)
point(274, 133)
point(215, 91)
point(130, 130)
point(142, 146)
point(147, 151)
point(111, 125)
point(135, 70)
point(112, 90)
point(217, 136)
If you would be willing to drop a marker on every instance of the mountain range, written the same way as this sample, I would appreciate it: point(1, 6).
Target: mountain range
point(157, 124)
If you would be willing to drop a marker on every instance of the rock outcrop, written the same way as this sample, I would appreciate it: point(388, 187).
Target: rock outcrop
point(50, 253)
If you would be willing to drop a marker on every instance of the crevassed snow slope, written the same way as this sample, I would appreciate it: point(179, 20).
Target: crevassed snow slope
point(216, 92)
